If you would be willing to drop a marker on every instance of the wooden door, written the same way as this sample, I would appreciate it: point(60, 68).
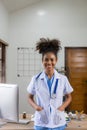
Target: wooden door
point(76, 71)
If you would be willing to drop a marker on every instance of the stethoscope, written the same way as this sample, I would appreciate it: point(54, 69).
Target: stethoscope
point(53, 96)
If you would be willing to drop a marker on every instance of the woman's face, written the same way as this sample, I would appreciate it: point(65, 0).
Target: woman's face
point(49, 61)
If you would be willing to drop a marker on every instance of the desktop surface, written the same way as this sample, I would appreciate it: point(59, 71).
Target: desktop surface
point(73, 125)
point(19, 126)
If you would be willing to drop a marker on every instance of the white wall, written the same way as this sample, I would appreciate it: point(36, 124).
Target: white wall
point(3, 22)
point(63, 19)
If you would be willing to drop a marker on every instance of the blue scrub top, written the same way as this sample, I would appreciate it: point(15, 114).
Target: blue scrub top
point(49, 82)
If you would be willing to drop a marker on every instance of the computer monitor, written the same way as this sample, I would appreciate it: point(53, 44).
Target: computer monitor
point(9, 102)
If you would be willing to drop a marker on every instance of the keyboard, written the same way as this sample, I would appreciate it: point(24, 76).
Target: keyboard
point(23, 121)
point(2, 123)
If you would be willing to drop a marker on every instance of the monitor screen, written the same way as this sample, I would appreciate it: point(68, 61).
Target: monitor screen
point(9, 102)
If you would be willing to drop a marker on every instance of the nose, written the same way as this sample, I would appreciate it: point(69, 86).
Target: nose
point(49, 62)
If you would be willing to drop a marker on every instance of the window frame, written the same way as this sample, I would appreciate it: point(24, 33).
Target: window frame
point(3, 61)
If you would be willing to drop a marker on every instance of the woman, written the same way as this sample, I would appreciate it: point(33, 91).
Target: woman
point(49, 87)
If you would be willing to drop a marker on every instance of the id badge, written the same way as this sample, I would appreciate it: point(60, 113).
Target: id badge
point(52, 102)
point(53, 96)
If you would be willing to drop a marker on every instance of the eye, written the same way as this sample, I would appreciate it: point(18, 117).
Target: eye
point(52, 59)
point(46, 59)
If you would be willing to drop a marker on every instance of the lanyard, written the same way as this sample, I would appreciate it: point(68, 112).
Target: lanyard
point(55, 88)
point(53, 96)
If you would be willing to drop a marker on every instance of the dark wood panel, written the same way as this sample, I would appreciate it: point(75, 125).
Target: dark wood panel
point(76, 70)
point(78, 75)
point(77, 107)
point(78, 59)
point(77, 64)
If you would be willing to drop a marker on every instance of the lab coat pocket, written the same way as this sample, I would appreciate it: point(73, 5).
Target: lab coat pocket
point(58, 116)
point(43, 117)
point(59, 100)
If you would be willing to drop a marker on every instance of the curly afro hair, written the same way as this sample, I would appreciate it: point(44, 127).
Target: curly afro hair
point(47, 45)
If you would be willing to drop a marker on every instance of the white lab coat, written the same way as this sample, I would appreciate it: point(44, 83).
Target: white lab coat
point(50, 116)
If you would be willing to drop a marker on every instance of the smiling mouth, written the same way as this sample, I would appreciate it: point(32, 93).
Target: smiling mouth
point(49, 66)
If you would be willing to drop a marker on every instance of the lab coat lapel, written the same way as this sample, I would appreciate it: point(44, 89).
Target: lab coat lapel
point(42, 77)
point(56, 77)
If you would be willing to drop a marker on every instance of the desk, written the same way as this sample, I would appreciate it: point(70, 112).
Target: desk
point(77, 125)
point(73, 125)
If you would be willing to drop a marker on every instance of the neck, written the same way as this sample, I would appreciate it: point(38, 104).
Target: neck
point(50, 74)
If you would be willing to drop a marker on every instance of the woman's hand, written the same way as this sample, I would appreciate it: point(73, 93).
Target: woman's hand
point(66, 103)
point(33, 103)
point(38, 108)
point(61, 108)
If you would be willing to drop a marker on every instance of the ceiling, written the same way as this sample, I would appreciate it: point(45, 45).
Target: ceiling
point(13, 5)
